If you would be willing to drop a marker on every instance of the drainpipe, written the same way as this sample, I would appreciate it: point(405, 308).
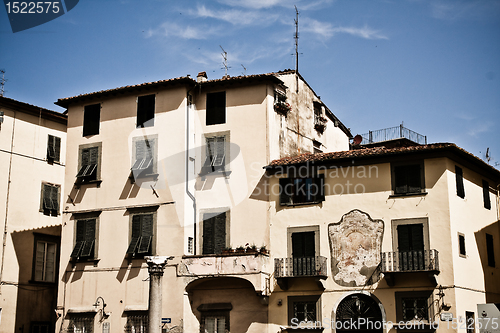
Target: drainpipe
point(189, 194)
point(4, 243)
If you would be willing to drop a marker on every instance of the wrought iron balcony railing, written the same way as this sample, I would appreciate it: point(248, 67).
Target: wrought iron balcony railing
point(300, 267)
point(411, 261)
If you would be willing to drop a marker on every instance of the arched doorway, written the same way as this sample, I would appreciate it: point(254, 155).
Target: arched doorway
point(359, 312)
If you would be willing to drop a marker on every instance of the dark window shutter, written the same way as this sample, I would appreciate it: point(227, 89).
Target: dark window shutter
point(208, 235)
point(403, 237)
point(216, 108)
point(57, 149)
point(146, 233)
point(490, 250)
point(309, 244)
point(91, 119)
point(298, 245)
point(85, 156)
point(50, 148)
point(486, 194)
point(88, 247)
point(218, 162)
point(413, 178)
point(459, 177)
point(219, 232)
point(286, 191)
point(47, 191)
point(145, 111)
point(54, 198)
point(80, 238)
point(400, 184)
point(136, 233)
point(461, 244)
point(417, 237)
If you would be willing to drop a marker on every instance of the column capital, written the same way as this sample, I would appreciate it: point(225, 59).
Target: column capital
point(156, 264)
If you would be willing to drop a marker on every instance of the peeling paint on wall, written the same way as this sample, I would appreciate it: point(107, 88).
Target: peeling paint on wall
point(355, 245)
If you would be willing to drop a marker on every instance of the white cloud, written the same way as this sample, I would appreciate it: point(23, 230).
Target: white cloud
point(457, 9)
point(364, 32)
point(327, 30)
point(264, 4)
point(236, 17)
point(168, 29)
point(479, 128)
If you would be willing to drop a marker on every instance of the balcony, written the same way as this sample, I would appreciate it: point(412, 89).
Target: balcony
point(408, 262)
point(300, 267)
point(251, 267)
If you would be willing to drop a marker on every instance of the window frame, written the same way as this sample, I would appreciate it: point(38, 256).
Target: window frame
point(95, 247)
point(470, 315)
point(288, 199)
point(459, 179)
point(43, 209)
point(153, 168)
point(56, 240)
point(56, 147)
point(423, 294)
point(224, 168)
point(214, 213)
point(292, 300)
point(407, 164)
point(418, 220)
point(152, 247)
point(214, 108)
point(462, 254)
point(88, 178)
point(143, 120)
point(91, 126)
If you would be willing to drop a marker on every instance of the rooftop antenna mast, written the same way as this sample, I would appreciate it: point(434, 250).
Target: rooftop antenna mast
point(245, 70)
point(296, 37)
point(224, 63)
point(2, 82)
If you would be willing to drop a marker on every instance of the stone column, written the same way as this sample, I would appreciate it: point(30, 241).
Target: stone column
point(156, 265)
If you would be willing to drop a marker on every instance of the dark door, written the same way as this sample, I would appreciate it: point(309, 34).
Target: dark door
point(303, 253)
point(411, 246)
point(358, 313)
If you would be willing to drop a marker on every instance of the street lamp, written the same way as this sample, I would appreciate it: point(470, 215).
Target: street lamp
point(104, 315)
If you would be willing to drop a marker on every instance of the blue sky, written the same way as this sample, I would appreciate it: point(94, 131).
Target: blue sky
point(434, 65)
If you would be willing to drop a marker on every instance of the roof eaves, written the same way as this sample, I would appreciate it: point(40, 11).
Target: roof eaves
point(33, 110)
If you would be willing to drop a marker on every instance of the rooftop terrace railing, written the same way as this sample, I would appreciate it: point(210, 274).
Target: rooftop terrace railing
point(391, 133)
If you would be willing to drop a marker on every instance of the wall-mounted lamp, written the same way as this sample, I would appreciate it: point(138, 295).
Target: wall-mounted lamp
point(444, 306)
point(104, 315)
point(280, 302)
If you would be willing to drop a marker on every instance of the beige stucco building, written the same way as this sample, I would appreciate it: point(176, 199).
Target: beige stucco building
point(193, 170)
point(32, 160)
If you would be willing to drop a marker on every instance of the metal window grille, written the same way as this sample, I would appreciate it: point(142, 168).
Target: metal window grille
point(81, 325)
point(137, 324)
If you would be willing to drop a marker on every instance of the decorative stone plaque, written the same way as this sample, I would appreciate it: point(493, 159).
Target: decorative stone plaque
point(355, 245)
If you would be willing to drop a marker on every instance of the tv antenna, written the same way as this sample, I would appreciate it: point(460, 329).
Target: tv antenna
point(224, 63)
point(487, 155)
point(245, 70)
point(2, 82)
point(296, 37)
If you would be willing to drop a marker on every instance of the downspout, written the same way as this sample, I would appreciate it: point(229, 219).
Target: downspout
point(189, 194)
point(4, 243)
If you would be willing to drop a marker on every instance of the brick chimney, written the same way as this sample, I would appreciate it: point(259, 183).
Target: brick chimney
point(202, 77)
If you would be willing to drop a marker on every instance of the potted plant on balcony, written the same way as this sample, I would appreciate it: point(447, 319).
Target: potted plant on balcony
point(240, 249)
point(227, 250)
point(251, 249)
point(282, 107)
point(263, 250)
point(320, 124)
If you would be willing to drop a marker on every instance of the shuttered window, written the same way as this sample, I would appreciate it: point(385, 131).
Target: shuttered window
point(216, 154)
point(214, 233)
point(145, 111)
point(216, 108)
point(141, 235)
point(490, 250)
point(301, 190)
point(144, 157)
point(89, 164)
point(50, 199)
point(407, 179)
point(410, 237)
point(486, 194)
point(91, 119)
point(461, 245)
point(53, 148)
point(85, 239)
point(303, 244)
point(459, 176)
point(45, 261)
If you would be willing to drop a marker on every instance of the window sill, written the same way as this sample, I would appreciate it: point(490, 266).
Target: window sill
point(149, 175)
point(95, 261)
point(225, 173)
point(302, 204)
point(78, 184)
point(399, 195)
point(45, 283)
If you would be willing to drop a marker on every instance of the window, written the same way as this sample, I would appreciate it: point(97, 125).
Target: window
point(215, 155)
point(141, 235)
point(303, 308)
point(50, 199)
point(81, 323)
point(414, 306)
point(53, 148)
point(469, 319)
point(45, 258)
point(214, 232)
point(89, 163)
point(190, 245)
point(91, 119)
point(146, 111)
point(317, 147)
point(407, 179)
point(295, 191)
point(40, 327)
point(216, 108)
point(137, 323)
point(461, 245)
point(411, 241)
point(215, 324)
point(85, 239)
point(460, 182)
point(214, 317)
point(486, 194)
point(490, 250)
point(144, 157)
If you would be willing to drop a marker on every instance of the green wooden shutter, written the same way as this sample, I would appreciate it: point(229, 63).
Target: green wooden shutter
point(286, 191)
point(50, 147)
point(80, 238)
point(136, 232)
point(57, 149)
point(54, 198)
point(219, 233)
point(146, 233)
point(47, 191)
point(403, 237)
point(208, 235)
point(88, 247)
